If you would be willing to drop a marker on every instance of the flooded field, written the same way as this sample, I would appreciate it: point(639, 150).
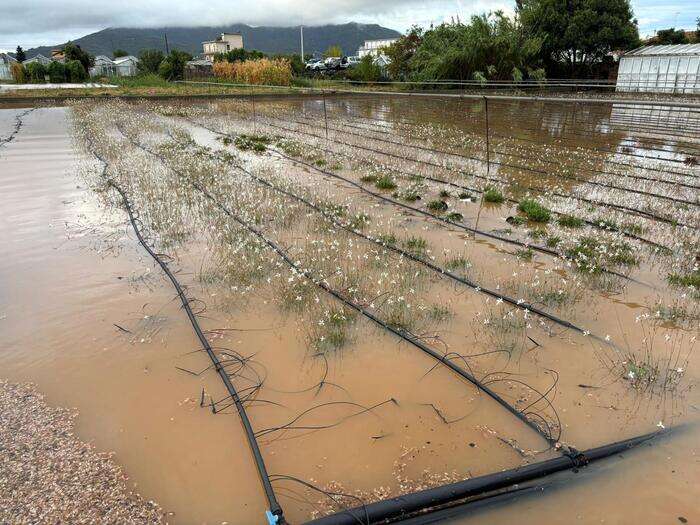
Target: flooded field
point(395, 293)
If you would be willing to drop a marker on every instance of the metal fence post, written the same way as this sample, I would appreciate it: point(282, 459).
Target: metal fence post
point(488, 154)
point(325, 114)
point(255, 120)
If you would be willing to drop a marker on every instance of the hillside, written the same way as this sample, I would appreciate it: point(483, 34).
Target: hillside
point(268, 39)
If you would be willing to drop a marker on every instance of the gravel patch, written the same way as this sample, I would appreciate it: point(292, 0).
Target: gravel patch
point(48, 475)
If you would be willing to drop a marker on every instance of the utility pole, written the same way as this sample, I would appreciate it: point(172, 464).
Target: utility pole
point(301, 29)
point(167, 50)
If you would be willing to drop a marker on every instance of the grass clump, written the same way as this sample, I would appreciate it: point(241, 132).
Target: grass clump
point(516, 220)
point(458, 262)
point(438, 206)
point(685, 280)
point(553, 241)
point(569, 221)
point(464, 196)
point(444, 194)
point(534, 210)
point(388, 238)
point(368, 179)
point(525, 254)
point(454, 216)
point(257, 143)
point(385, 182)
point(410, 194)
point(493, 195)
point(330, 332)
point(359, 221)
point(591, 256)
point(415, 245)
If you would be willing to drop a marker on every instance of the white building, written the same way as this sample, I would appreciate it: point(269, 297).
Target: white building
point(6, 62)
point(374, 47)
point(661, 69)
point(226, 42)
point(127, 66)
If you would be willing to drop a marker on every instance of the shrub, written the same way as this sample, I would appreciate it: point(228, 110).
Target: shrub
point(19, 73)
point(385, 182)
point(264, 71)
point(534, 210)
point(569, 221)
point(454, 217)
point(494, 195)
point(57, 72)
point(75, 72)
point(438, 206)
point(150, 60)
point(173, 66)
point(366, 70)
point(36, 72)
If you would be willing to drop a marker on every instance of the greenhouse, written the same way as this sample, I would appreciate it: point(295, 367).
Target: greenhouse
point(661, 69)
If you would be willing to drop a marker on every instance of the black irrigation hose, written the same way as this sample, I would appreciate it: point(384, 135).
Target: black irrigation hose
point(18, 125)
point(593, 224)
point(275, 507)
point(408, 255)
point(379, 196)
point(403, 507)
point(514, 166)
point(619, 207)
point(402, 334)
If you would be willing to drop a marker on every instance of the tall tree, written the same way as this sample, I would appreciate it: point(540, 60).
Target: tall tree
point(334, 51)
point(579, 33)
point(20, 55)
point(74, 52)
point(401, 52)
point(119, 53)
point(150, 60)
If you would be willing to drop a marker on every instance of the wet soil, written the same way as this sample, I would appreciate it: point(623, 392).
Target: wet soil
point(88, 317)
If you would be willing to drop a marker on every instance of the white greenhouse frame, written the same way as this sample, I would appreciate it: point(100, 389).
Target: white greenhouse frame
point(661, 69)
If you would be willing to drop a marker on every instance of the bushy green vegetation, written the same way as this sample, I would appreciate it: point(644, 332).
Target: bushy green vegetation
point(150, 60)
point(385, 182)
point(257, 143)
point(493, 194)
point(534, 210)
point(569, 221)
point(438, 206)
point(173, 66)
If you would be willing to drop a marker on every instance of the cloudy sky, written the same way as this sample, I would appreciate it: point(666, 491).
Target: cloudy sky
point(46, 22)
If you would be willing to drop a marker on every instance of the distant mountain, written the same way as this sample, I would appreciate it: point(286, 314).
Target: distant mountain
point(267, 39)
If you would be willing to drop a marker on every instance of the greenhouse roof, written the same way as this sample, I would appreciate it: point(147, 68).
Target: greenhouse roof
point(679, 49)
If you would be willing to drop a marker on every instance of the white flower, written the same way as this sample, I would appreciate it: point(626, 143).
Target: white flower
point(660, 424)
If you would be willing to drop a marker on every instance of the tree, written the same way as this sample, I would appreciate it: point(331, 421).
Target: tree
point(669, 36)
point(489, 47)
point(119, 53)
point(238, 55)
point(173, 67)
point(57, 72)
point(366, 70)
point(73, 52)
point(20, 55)
point(150, 60)
point(75, 71)
point(401, 52)
point(579, 33)
point(36, 72)
point(333, 51)
point(19, 72)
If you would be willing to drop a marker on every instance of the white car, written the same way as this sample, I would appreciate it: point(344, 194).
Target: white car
point(315, 65)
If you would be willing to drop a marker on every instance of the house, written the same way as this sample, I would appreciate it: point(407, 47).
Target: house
point(103, 67)
point(374, 47)
point(40, 59)
point(226, 42)
point(58, 55)
point(127, 66)
point(661, 69)
point(6, 62)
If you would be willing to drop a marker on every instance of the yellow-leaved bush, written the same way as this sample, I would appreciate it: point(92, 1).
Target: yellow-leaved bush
point(264, 71)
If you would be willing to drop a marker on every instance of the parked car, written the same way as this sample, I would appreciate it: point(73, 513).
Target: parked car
point(352, 61)
point(315, 65)
point(332, 62)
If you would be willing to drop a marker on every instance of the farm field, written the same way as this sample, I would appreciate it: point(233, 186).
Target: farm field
point(403, 292)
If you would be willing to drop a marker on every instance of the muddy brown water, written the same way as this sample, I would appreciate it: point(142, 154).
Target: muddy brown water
point(86, 315)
